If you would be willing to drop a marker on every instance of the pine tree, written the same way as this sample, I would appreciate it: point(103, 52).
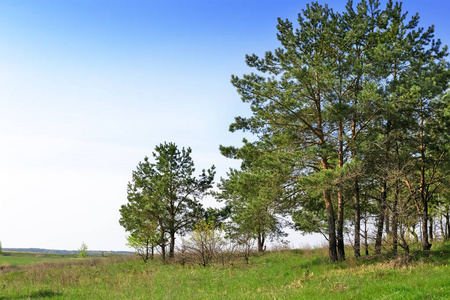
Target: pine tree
point(165, 193)
point(336, 96)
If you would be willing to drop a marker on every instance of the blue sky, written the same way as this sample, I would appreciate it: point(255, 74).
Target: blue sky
point(88, 88)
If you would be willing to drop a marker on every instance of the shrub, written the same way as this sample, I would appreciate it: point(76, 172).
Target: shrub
point(82, 252)
point(206, 245)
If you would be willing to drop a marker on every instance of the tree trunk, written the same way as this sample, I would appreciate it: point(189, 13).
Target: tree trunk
point(447, 221)
point(172, 244)
point(425, 244)
point(423, 195)
point(331, 227)
point(357, 217)
point(357, 246)
point(261, 241)
point(379, 236)
point(380, 223)
point(403, 242)
point(383, 200)
point(387, 221)
point(162, 240)
point(147, 253)
point(340, 217)
point(331, 218)
point(395, 220)
point(366, 242)
point(394, 232)
point(163, 252)
point(430, 228)
point(395, 206)
point(340, 227)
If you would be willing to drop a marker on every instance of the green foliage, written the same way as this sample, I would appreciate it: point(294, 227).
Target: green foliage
point(255, 196)
point(143, 243)
point(356, 102)
point(163, 197)
point(82, 252)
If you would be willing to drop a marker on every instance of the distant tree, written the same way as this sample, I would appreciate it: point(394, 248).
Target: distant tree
point(165, 193)
point(82, 252)
point(0, 248)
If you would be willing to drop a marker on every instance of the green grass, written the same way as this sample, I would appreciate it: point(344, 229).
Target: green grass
point(296, 274)
point(27, 258)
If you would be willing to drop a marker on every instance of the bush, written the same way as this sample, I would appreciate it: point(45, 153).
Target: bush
point(82, 252)
point(205, 246)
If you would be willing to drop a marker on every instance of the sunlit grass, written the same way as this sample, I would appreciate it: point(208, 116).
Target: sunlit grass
point(296, 274)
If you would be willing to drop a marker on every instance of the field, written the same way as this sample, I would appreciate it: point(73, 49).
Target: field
point(26, 258)
point(289, 274)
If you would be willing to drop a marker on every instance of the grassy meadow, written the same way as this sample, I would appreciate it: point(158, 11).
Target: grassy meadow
point(27, 258)
point(288, 274)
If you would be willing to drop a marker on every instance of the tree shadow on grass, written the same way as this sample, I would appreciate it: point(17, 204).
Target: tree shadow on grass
point(34, 295)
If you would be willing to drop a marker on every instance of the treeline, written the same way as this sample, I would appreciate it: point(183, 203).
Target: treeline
point(351, 118)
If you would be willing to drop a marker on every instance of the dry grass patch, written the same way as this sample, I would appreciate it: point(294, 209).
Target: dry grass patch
point(339, 287)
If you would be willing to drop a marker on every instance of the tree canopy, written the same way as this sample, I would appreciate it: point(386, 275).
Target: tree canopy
point(351, 126)
point(164, 196)
point(334, 95)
